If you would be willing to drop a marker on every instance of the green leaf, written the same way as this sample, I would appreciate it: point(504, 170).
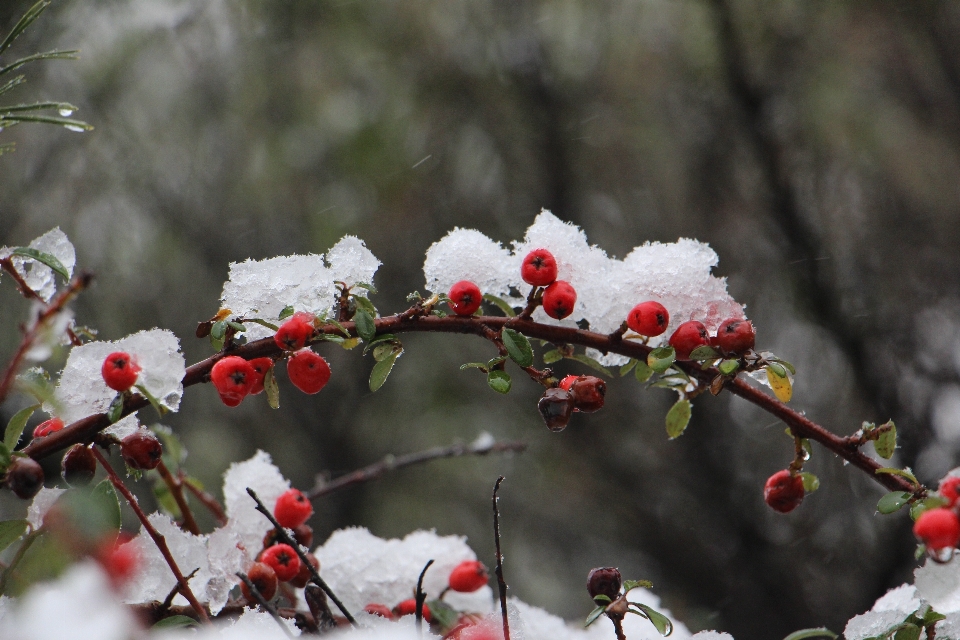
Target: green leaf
point(381, 370)
point(74, 125)
point(706, 352)
point(593, 364)
point(893, 501)
point(810, 482)
point(932, 616)
point(32, 14)
point(105, 496)
point(45, 258)
point(165, 499)
point(642, 372)
point(443, 614)
point(474, 365)
point(5, 454)
point(368, 287)
point(602, 599)
point(364, 303)
point(16, 426)
point(627, 368)
point(886, 444)
point(38, 106)
point(499, 381)
point(238, 327)
point(285, 313)
point(177, 622)
point(262, 323)
point(115, 410)
point(552, 356)
point(339, 326)
point(517, 346)
point(728, 367)
point(661, 358)
point(903, 473)
point(660, 621)
point(501, 304)
point(10, 532)
point(218, 330)
point(386, 350)
point(907, 631)
point(819, 632)
point(365, 327)
point(46, 55)
point(635, 584)
point(781, 385)
point(271, 388)
point(159, 408)
point(381, 338)
point(930, 502)
point(592, 617)
point(678, 417)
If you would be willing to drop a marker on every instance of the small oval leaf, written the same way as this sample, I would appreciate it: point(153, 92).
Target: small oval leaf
point(365, 327)
point(810, 482)
point(893, 501)
point(271, 389)
point(47, 259)
point(10, 532)
point(642, 372)
point(781, 385)
point(661, 358)
point(381, 370)
point(819, 632)
point(660, 621)
point(678, 417)
point(517, 346)
point(886, 443)
point(499, 381)
point(16, 426)
point(175, 622)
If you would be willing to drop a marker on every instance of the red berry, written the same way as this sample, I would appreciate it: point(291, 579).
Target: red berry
point(539, 268)
point(141, 450)
point(482, 630)
point(120, 371)
point(648, 318)
point(465, 298)
point(78, 465)
point(295, 332)
point(556, 406)
point(468, 576)
point(292, 509)
point(283, 560)
point(409, 607)
point(687, 337)
point(783, 491)
point(559, 299)
point(735, 336)
point(588, 393)
point(24, 477)
point(233, 378)
point(264, 578)
point(938, 528)
point(604, 581)
point(119, 560)
point(377, 609)
point(260, 368)
point(48, 427)
point(567, 382)
point(950, 489)
point(303, 577)
point(308, 371)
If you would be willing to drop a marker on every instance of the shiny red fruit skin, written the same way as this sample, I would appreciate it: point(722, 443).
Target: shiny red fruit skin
point(735, 337)
point(783, 491)
point(687, 337)
point(292, 509)
point(378, 609)
point(950, 489)
point(295, 332)
point(468, 576)
point(556, 407)
point(539, 268)
point(567, 382)
point(120, 371)
point(78, 465)
point(588, 393)
point(465, 298)
point(938, 528)
point(308, 371)
point(264, 578)
point(46, 428)
point(141, 450)
point(283, 560)
point(233, 378)
point(559, 299)
point(409, 607)
point(648, 318)
point(260, 368)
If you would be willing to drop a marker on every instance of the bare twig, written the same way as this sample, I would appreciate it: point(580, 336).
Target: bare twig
point(205, 499)
point(263, 602)
point(420, 597)
point(168, 601)
point(501, 584)
point(7, 265)
point(175, 486)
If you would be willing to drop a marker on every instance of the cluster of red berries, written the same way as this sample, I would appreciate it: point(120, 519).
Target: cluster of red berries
point(784, 491)
point(574, 394)
point(939, 528)
point(735, 337)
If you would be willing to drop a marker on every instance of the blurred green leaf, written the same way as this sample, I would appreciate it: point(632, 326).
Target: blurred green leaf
point(706, 352)
point(32, 14)
point(810, 482)
point(368, 287)
point(159, 408)
point(364, 303)
point(517, 346)
point(592, 617)
point(908, 631)
point(903, 473)
point(381, 338)
point(499, 381)
point(47, 55)
point(177, 622)
point(271, 388)
point(636, 584)
point(115, 410)
point(627, 368)
point(727, 367)
point(930, 502)
point(105, 496)
point(642, 372)
point(552, 356)
point(819, 632)
point(886, 443)
point(10, 532)
point(678, 417)
point(660, 621)
point(893, 501)
point(285, 313)
point(16, 426)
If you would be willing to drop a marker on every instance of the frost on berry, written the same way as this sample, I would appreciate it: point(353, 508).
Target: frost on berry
point(141, 450)
point(233, 377)
point(37, 275)
point(295, 332)
point(539, 268)
point(735, 336)
point(649, 318)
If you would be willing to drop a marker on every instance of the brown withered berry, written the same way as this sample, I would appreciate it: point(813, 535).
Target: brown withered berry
point(264, 579)
point(604, 581)
point(141, 450)
point(24, 477)
point(588, 393)
point(79, 465)
point(555, 407)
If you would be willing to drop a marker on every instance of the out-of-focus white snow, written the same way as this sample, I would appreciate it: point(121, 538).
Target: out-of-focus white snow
point(41, 504)
point(37, 275)
point(939, 584)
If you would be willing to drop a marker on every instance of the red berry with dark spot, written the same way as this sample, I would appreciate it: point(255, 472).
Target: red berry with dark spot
point(588, 393)
point(604, 581)
point(46, 428)
point(308, 371)
point(409, 607)
point(687, 337)
point(24, 477)
point(260, 368)
point(233, 378)
point(938, 528)
point(141, 450)
point(120, 371)
point(950, 489)
point(283, 560)
point(559, 299)
point(381, 610)
point(539, 268)
point(465, 298)
point(294, 334)
point(648, 318)
point(78, 465)
point(783, 491)
point(303, 577)
point(556, 406)
point(735, 337)
point(292, 509)
point(468, 576)
point(264, 579)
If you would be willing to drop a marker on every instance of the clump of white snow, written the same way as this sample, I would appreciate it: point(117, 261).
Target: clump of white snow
point(939, 584)
point(352, 263)
point(37, 275)
point(467, 254)
point(889, 610)
point(260, 474)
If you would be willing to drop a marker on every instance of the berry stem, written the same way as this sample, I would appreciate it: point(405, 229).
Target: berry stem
point(269, 608)
point(533, 301)
point(176, 490)
point(158, 539)
point(501, 584)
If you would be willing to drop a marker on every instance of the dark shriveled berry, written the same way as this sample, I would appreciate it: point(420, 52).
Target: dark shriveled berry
point(555, 407)
point(24, 477)
point(588, 393)
point(79, 465)
point(604, 581)
point(141, 450)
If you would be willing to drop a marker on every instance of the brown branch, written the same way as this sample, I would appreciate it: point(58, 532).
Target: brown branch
point(205, 499)
point(7, 265)
point(158, 538)
point(324, 487)
point(176, 490)
point(501, 584)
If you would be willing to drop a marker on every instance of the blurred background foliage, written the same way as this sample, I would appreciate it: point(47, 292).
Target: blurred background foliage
point(814, 144)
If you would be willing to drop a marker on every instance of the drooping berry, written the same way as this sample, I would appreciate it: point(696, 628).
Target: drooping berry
point(260, 368)
point(295, 332)
point(283, 560)
point(556, 406)
point(539, 268)
point(588, 393)
point(24, 477)
point(604, 581)
point(78, 465)
point(735, 337)
point(559, 299)
point(120, 371)
point(141, 450)
point(409, 607)
point(303, 576)
point(938, 528)
point(687, 337)
point(46, 428)
point(308, 371)
point(233, 378)
point(292, 509)
point(950, 489)
point(465, 298)
point(468, 576)
point(119, 559)
point(648, 318)
point(783, 491)
point(264, 578)
point(378, 609)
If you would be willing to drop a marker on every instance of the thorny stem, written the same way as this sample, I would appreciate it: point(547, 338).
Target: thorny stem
point(419, 598)
point(83, 430)
point(158, 539)
point(501, 584)
point(176, 490)
point(205, 499)
point(269, 608)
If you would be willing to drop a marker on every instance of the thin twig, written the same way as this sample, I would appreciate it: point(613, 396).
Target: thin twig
point(501, 584)
point(176, 490)
point(158, 538)
point(324, 487)
point(168, 601)
point(205, 499)
point(282, 534)
point(263, 602)
point(419, 598)
point(7, 265)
